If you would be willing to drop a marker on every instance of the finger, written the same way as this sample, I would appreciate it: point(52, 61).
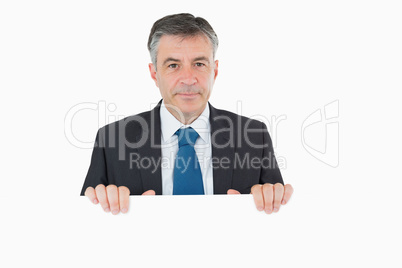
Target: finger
point(102, 197)
point(124, 194)
point(256, 191)
point(90, 193)
point(288, 193)
point(278, 195)
point(113, 197)
point(267, 190)
point(149, 192)
point(232, 191)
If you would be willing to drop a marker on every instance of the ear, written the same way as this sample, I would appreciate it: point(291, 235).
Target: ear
point(152, 71)
point(216, 69)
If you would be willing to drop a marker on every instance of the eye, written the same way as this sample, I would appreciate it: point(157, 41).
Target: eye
point(199, 64)
point(173, 66)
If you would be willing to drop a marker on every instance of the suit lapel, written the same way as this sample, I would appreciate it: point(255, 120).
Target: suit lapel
point(222, 148)
point(152, 150)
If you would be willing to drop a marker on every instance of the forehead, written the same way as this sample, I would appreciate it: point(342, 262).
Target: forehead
point(178, 45)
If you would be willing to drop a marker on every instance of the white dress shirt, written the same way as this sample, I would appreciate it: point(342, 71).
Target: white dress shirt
point(170, 147)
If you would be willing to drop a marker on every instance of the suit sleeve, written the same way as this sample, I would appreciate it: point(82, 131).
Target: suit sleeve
point(97, 172)
point(270, 172)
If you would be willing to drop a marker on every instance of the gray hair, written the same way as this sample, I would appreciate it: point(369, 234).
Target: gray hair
point(183, 25)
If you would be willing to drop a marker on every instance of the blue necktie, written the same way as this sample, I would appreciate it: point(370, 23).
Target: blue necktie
point(187, 177)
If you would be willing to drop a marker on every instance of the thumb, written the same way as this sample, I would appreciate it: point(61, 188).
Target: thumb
point(232, 191)
point(149, 192)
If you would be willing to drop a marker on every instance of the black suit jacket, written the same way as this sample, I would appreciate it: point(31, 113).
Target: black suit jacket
point(242, 153)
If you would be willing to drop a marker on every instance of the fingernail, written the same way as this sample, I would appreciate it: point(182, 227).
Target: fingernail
point(124, 210)
point(260, 208)
point(268, 211)
point(114, 212)
point(276, 209)
point(95, 201)
point(283, 202)
point(107, 209)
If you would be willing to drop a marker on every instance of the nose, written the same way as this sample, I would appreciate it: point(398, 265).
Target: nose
point(188, 77)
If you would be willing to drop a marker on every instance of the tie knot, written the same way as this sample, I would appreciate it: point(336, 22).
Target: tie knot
point(186, 136)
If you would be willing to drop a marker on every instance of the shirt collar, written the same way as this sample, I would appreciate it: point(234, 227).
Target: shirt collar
point(169, 124)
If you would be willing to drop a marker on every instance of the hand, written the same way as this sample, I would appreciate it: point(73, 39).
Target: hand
point(269, 197)
point(112, 198)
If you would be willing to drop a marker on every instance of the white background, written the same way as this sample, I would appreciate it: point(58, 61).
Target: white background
point(279, 58)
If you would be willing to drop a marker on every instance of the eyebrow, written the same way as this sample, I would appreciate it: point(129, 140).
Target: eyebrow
point(202, 58)
point(170, 59)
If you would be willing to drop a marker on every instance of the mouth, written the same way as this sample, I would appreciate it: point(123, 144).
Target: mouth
point(187, 95)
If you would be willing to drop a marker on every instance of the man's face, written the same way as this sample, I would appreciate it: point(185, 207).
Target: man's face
point(185, 73)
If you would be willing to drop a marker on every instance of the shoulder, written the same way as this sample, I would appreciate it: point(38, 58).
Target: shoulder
point(132, 121)
point(129, 127)
point(235, 119)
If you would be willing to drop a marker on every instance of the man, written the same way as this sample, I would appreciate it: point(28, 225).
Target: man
point(184, 145)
